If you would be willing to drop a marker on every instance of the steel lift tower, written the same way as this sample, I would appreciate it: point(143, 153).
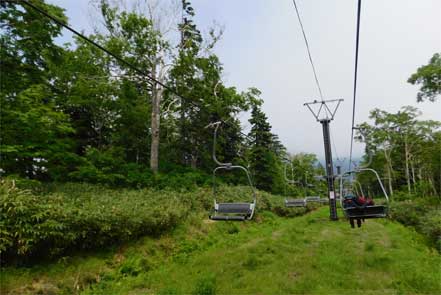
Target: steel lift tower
point(324, 115)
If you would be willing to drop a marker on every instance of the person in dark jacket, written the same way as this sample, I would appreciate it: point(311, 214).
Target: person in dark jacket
point(352, 201)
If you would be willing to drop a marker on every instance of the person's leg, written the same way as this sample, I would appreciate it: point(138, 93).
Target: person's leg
point(359, 222)
point(351, 221)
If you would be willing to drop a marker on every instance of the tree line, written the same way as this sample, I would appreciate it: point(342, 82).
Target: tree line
point(405, 150)
point(71, 112)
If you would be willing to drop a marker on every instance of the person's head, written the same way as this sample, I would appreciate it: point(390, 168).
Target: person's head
point(349, 196)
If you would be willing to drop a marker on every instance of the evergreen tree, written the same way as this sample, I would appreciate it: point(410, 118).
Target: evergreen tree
point(265, 164)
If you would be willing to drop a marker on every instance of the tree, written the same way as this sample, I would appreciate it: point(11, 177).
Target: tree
point(429, 77)
point(403, 147)
point(139, 40)
point(85, 90)
point(196, 75)
point(265, 164)
point(34, 131)
point(305, 168)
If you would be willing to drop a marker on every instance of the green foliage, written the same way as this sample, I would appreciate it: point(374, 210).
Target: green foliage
point(289, 252)
point(429, 76)
point(404, 150)
point(421, 214)
point(108, 167)
point(48, 225)
point(64, 218)
point(265, 151)
point(74, 113)
point(34, 131)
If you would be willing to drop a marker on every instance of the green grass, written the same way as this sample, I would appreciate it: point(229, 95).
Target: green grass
point(271, 255)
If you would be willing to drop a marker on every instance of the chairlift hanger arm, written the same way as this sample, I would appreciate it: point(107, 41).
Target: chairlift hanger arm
point(290, 181)
point(362, 132)
point(216, 127)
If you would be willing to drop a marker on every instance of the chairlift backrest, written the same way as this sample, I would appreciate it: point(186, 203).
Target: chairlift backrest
point(359, 170)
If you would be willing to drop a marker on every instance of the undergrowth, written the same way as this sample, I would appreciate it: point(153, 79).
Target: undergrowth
point(76, 216)
point(423, 214)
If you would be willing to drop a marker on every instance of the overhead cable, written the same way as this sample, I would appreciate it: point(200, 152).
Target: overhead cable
point(355, 81)
point(308, 49)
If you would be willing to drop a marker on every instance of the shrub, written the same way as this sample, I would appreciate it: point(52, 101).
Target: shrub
point(421, 213)
point(430, 226)
point(78, 216)
point(48, 225)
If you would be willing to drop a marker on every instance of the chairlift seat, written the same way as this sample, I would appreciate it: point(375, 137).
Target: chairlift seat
point(312, 199)
point(228, 217)
point(375, 211)
point(235, 208)
point(243, 211)
point(295, 202)
point(316, 199)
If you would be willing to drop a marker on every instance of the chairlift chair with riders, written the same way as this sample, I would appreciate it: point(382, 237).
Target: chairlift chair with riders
point(361, 208)
point(296, 202)
point(354, 210)
point(230, 211)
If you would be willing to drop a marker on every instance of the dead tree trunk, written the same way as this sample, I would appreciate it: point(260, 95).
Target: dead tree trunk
point(157, 92)
point(406, 161)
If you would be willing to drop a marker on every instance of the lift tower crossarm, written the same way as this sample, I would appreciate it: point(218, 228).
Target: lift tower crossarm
point(323, 106)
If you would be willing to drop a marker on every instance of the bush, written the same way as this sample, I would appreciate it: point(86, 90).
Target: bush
point(48, 225)
point(24, 183)
point(78, 216)
point(102, 168)
point(430, 226)
point(423, 214)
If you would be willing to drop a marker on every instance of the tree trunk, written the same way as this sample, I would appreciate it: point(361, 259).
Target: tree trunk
point(412, 169)
point(389, 172)
point(194, 161)
point(433, 186)
point(406, 161)
point(155, 126)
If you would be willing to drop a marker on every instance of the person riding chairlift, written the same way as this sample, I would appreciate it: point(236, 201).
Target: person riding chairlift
point(358, 202)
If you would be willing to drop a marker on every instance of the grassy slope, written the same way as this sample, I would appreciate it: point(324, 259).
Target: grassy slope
point(307, 254)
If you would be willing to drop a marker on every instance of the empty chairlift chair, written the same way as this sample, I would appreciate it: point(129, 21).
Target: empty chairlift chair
point(358, 212)
point(231, 211)
point(296, 202)
point(315, 199)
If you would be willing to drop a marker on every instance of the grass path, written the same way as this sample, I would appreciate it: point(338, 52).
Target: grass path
point(271, 255)
point(308, 254)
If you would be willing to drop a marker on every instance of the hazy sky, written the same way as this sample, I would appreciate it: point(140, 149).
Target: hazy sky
point(262, 47)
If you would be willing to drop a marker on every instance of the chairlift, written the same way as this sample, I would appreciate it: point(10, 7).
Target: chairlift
point(359, 212)
point(315, 199)
point(230, 211)
point(296, 202)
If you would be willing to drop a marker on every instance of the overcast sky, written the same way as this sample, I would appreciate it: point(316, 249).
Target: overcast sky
point(262, 47)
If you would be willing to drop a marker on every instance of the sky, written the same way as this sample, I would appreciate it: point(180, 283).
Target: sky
point(263, 47)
